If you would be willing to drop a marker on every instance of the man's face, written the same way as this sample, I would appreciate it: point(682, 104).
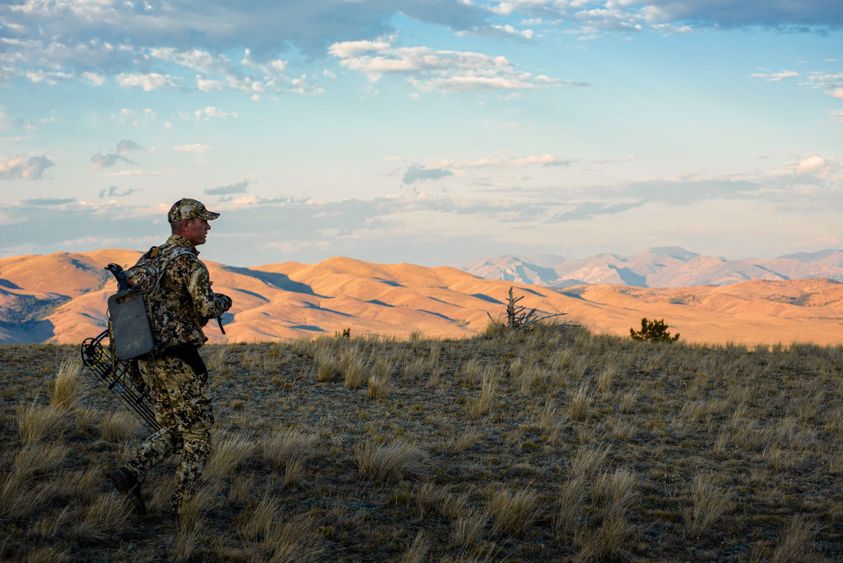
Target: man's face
point(195, 230)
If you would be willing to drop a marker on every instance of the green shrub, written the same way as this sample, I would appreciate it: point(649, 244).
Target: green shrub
point(653, 331)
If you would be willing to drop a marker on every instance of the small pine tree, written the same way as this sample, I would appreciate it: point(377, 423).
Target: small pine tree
point(653, 331)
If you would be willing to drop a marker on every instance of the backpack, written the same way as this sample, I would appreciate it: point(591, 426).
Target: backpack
point(129, 310)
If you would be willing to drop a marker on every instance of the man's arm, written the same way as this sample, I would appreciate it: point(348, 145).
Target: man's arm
point(206, 303)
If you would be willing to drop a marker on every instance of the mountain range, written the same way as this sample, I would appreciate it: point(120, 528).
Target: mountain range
point(62, 298)
point(658, 267)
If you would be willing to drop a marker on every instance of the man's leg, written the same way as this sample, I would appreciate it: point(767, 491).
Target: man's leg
point(161, 444)
point(156, 447)
point(194, 417)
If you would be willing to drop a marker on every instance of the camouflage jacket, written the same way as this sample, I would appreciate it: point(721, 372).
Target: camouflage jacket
point(178, 291)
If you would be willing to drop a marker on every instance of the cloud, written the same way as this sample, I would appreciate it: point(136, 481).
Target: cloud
point(100, 161)
point(421, 174)
point(544, 160)
point(776, 76)
point(26, 168)
point(135, 118)
point(686, 192)
point(195, 148)
point(736, 13)
point(94, 40)
point(148, 82)
point(209, 112)
point(48, 202)
point(114, 191)
point(837, 93)
point(126, 145)
point(429, 69)
point(591, 209)
point(93, 78)
point(811, 165)
point(238, 188)
point(837, 115)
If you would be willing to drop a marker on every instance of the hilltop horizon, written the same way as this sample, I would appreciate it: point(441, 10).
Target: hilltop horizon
point(62, 298)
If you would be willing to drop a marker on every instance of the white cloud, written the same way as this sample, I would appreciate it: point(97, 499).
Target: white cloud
point(135, 118)
point(195, 148)
point(208, 113)
point(428, 69)
point(776, 76)
point(811, 165)
point(510, 30)
point(508, 162)
point(207, 85)
point(26, 168)
point(837, 115)
point(147, 82)
point(93, 78)
point(837, 93)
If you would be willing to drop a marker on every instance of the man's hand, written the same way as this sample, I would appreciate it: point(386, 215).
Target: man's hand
point(225, 299)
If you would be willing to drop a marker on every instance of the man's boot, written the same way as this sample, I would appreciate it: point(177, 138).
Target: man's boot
point(126, 482)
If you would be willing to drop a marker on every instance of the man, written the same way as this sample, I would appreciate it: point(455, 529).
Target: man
point(181, 302)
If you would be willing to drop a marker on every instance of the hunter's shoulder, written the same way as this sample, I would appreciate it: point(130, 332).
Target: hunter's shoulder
point(177, 249)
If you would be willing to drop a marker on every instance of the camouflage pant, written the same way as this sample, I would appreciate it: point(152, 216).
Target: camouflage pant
point(185, 416)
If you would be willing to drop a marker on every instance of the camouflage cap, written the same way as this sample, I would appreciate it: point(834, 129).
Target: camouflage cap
point(187, 208)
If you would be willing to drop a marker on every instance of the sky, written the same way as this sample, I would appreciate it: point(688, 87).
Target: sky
point(435, 132)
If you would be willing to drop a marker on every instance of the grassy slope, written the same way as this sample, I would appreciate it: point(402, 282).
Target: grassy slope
point(553, 444)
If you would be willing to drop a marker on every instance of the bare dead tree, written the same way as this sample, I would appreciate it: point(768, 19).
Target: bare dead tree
point(519, 316)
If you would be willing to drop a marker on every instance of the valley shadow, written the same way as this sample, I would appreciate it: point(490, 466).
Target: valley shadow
point(389, 282)
point(29, 332)
point(334, 311)
point(379, 302)
point(488, 298)
point(9, 284)
point(309, 328)
point(280, 281)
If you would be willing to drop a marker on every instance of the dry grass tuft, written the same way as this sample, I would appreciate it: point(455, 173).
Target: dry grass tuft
point(709, 502)
point(460, 442)
point(327, 368)
point(616, 490)
point(65, 388)
point(587, 461)
point(468, 528)
point(192, 512)
point(471, 372)
point(379, 387)
point(258, 520)
point(353, 367)
point(226, 455)
point(486, 400)
point(605, 379)
point(417, 552)
point(395, 460)
point(49, 554)
point(580, 403)
point(104, 516)
point(285, 447)
point(606, 543)
point(35, 422)
point(118, 425)
point(796, 541)
point(572, 495)
point(512, 512)
point(295, 541)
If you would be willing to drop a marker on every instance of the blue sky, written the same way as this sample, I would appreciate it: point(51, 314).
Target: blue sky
point(434, 132)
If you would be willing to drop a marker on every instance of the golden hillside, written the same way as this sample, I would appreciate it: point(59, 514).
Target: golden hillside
point(61, 297)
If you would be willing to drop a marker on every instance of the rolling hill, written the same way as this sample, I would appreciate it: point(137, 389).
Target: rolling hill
point(62, 297)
